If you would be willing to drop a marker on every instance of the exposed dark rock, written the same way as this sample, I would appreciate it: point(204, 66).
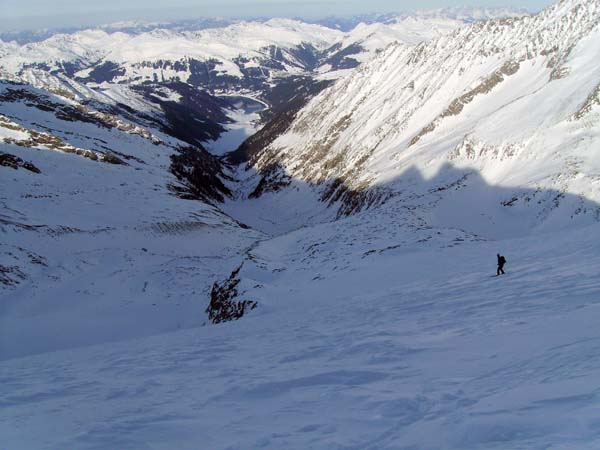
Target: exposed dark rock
point(110, 154)
point(223, 305)
point(593, 100)
point(273, 179)
point(200, 174)
point(8, 160)
point(11, 275)
point(111, 158)
point(107, 71)
point(340, 58)
point(353, 200)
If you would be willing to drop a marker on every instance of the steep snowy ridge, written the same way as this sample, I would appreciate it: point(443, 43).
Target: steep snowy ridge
point(76, 49)
point(364, 41)
point(510, 83)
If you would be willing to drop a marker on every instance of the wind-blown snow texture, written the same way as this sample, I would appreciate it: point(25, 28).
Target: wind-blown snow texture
point(418, 348)
point(384, 329)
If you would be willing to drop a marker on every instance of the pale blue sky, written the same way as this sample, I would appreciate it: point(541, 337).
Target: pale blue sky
point(31, 14)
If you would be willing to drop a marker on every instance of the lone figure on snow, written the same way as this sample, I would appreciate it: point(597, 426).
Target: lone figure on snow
point(501, 262)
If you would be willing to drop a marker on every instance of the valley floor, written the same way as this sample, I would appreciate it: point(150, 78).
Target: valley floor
point(414, 349)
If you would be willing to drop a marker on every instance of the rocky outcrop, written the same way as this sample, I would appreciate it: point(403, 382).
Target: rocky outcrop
point(457, 105)
point(353, 200)
point(224, 305)
point(35, 139)
point(592, 101)
point(72, 112)
point(11, 275)
point(8, 160)
point(272, 179)
point(200, 175)
point(473, 149)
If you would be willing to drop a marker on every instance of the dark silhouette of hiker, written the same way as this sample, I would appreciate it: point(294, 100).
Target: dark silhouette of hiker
point(501, 262)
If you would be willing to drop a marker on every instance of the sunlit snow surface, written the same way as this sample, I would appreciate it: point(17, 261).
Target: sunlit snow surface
point(385, 330)
point(407, 350)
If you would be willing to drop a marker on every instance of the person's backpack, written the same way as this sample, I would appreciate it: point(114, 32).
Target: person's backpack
point(502, 260)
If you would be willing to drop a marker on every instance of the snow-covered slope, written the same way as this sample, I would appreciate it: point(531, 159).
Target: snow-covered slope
point(463, 13)
point(279, 45)
point(381, 330)
point(412, 349)
point(362, 43)
point(222, 58)
point(467, 13)
point(97, 217)
point(371, 34)
point(511, 103)
point(269, 62)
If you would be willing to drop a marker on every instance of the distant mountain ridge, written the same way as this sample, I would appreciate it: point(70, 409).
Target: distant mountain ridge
point(341, 23)
point(272, 61)
point(282, 46)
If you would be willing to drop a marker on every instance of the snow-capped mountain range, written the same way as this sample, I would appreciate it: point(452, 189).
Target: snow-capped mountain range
point(274, 63)
point(344, 194)
point(341, 23)
point(270, 62)
point(489, 97)
point(241, 50)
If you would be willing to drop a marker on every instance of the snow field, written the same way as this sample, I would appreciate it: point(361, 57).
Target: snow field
point(419, 349)
point(385, 330)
